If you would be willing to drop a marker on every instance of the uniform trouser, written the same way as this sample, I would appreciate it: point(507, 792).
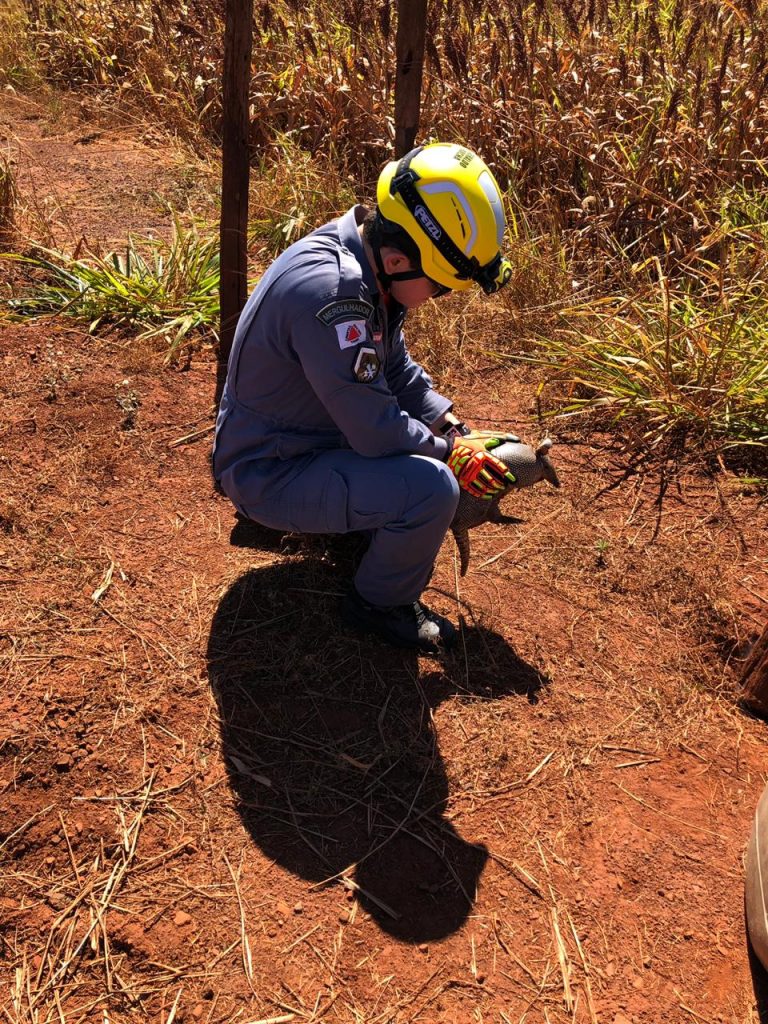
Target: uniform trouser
point(407, 502)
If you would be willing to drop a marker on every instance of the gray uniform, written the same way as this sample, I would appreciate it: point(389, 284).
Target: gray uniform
point(323, 424)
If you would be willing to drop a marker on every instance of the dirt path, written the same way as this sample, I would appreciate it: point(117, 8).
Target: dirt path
point(79, 180)
point(216, 805)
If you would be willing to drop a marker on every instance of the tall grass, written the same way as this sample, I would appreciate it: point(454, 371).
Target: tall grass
point(618, 76)
point(618, 123)
point(660, 365)
point(18, 62)
point(293, 192)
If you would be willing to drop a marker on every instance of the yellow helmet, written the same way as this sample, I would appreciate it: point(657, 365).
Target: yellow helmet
point(446, 199)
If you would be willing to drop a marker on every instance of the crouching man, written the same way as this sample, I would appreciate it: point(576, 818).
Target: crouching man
point(327, 425)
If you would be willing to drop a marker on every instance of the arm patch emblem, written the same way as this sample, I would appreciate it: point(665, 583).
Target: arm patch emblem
point(344, 309)
point(351, 333)
point(366, 366)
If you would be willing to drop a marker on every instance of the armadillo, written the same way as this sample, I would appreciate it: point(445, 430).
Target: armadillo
point(527, 465)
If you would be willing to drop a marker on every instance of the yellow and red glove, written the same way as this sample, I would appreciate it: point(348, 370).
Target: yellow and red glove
point(479, 472)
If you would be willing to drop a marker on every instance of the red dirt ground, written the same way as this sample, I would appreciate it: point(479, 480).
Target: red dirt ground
point(217, 805)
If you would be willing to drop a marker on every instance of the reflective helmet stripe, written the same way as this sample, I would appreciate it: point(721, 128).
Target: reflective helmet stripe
point(488, 185)
point(461, 199)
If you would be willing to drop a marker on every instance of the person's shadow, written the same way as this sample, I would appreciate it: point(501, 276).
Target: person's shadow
point(331, 749)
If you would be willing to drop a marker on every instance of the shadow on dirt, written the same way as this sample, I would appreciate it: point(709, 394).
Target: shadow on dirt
point(331, 749)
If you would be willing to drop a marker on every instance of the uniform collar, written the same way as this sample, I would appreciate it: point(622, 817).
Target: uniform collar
point(348, 224)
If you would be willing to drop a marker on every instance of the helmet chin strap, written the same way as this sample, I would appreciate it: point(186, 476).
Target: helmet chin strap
point(386, 279)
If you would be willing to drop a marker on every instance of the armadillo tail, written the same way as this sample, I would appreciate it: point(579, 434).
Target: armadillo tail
point(462, 543)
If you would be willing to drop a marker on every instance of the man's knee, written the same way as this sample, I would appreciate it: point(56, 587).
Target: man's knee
point(449, 486)
point(437, 487)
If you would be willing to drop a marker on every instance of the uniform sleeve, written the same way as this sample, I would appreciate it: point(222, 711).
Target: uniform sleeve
point(367, 412)
point(412, 386)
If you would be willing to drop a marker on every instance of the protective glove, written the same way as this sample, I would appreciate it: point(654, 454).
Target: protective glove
point(491, 435)
point(479, 472)
point(453, 428)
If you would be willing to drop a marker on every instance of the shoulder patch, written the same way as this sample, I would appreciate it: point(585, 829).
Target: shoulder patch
point(351, 332)
point(344, 309)
point(366, 366)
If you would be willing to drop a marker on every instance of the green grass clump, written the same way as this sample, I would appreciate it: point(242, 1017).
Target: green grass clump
point(168, 290)
point(664, 364)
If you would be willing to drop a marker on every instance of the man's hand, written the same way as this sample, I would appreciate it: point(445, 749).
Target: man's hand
point(479, 472)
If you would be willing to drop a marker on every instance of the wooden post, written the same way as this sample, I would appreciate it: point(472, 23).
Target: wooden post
point(235, 173)
point(409, 49)
point(755, 677)
point(33, 12)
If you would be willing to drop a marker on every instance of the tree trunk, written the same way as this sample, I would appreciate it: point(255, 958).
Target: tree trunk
point(755, 677)
point(409, 48)
point(235, 173)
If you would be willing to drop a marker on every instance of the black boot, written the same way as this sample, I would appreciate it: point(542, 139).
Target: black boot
point(404, 625)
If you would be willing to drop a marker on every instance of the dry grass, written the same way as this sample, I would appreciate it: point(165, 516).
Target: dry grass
point(574, 104)
point(293, 192)
point(18, 67)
